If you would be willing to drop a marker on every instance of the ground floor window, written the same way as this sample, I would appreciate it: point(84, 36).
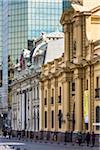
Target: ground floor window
point(45, 119)
point(97, 117)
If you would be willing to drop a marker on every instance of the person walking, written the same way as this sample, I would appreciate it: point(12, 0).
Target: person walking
point(88, 138)
point(79, 138)
point(10, 133)
point(93, 139)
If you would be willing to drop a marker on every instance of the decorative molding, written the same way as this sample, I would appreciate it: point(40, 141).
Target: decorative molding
point(78, 21)
point(66, 28)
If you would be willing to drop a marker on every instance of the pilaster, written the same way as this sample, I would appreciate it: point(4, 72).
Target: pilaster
point(41, 106)
point(66, 41)
point(48, 106)
point(78, 100)
point(66, 102)
point(56, 105)
point(78, 25)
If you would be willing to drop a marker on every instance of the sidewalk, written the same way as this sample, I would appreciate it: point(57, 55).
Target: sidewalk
point(47, 145)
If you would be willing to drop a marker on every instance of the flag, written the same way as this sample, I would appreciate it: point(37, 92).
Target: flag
point(22, 61)
point(31, 54)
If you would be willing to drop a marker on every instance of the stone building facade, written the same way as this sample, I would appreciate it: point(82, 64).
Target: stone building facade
point(25, 87)
point(70, 85)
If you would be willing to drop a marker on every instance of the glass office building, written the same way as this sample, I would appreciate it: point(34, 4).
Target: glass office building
point(1, 32)
point(20, 21)
point(28, 18)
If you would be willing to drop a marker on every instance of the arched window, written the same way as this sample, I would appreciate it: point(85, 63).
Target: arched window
point(97, 117)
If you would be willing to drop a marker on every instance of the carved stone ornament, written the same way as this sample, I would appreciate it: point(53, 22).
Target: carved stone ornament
point(66, 28)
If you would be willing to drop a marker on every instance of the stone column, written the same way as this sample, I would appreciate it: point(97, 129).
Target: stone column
point(78, 38)
point(66, 97)
point(78, 101)
point(48, 107)
point(41, 106)
point(66, 42)
point(56, 105)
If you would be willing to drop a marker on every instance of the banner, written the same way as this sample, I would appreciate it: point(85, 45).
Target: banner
point(85, 105)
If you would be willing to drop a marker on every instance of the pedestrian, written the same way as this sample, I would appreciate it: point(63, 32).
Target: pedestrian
point(79, 138)
point(10, 133)
point(83, 137)
point(93, 139)
point(88, 138)
point(65, 139)
point(71, 136)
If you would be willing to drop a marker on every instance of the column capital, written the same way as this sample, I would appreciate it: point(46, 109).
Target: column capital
point(66, 28)
point(78, 73)
point(67, 77)
point(56, 82)
point(78, 21)
point(49, 84)
point(42, 86)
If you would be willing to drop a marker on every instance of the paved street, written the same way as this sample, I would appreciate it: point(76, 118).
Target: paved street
point(14, 144)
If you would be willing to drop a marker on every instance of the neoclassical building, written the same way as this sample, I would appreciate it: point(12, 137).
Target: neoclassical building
point(70, 85)
point(25, 87)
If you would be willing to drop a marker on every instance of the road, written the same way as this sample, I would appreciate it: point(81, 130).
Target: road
point(14, 144)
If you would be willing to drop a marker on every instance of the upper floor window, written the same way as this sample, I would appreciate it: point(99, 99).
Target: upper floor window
point(97, 90)
point(74, 49)
point(45, 99)
point(59, 97)
point(34, 93)
point(52, 98)
point(86, 84)
point(37, 92)
point(73, 88)
point(97, 82)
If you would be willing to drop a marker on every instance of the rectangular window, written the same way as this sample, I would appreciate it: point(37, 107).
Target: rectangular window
point(45, 99)
point(97, 82)
point(52, 98)
point(97, 90)
point(52, 119)
point(73, 86)
point(60, 118)
point(45, 116)
point(86, 84)
point(59, 97)
point(1, 78)
point(97, 117)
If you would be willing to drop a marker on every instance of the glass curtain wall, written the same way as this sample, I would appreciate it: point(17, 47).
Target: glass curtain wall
point(18, 27)
point(43, 16)
point(28, 18)
point(1, 32)
point(5, 54)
